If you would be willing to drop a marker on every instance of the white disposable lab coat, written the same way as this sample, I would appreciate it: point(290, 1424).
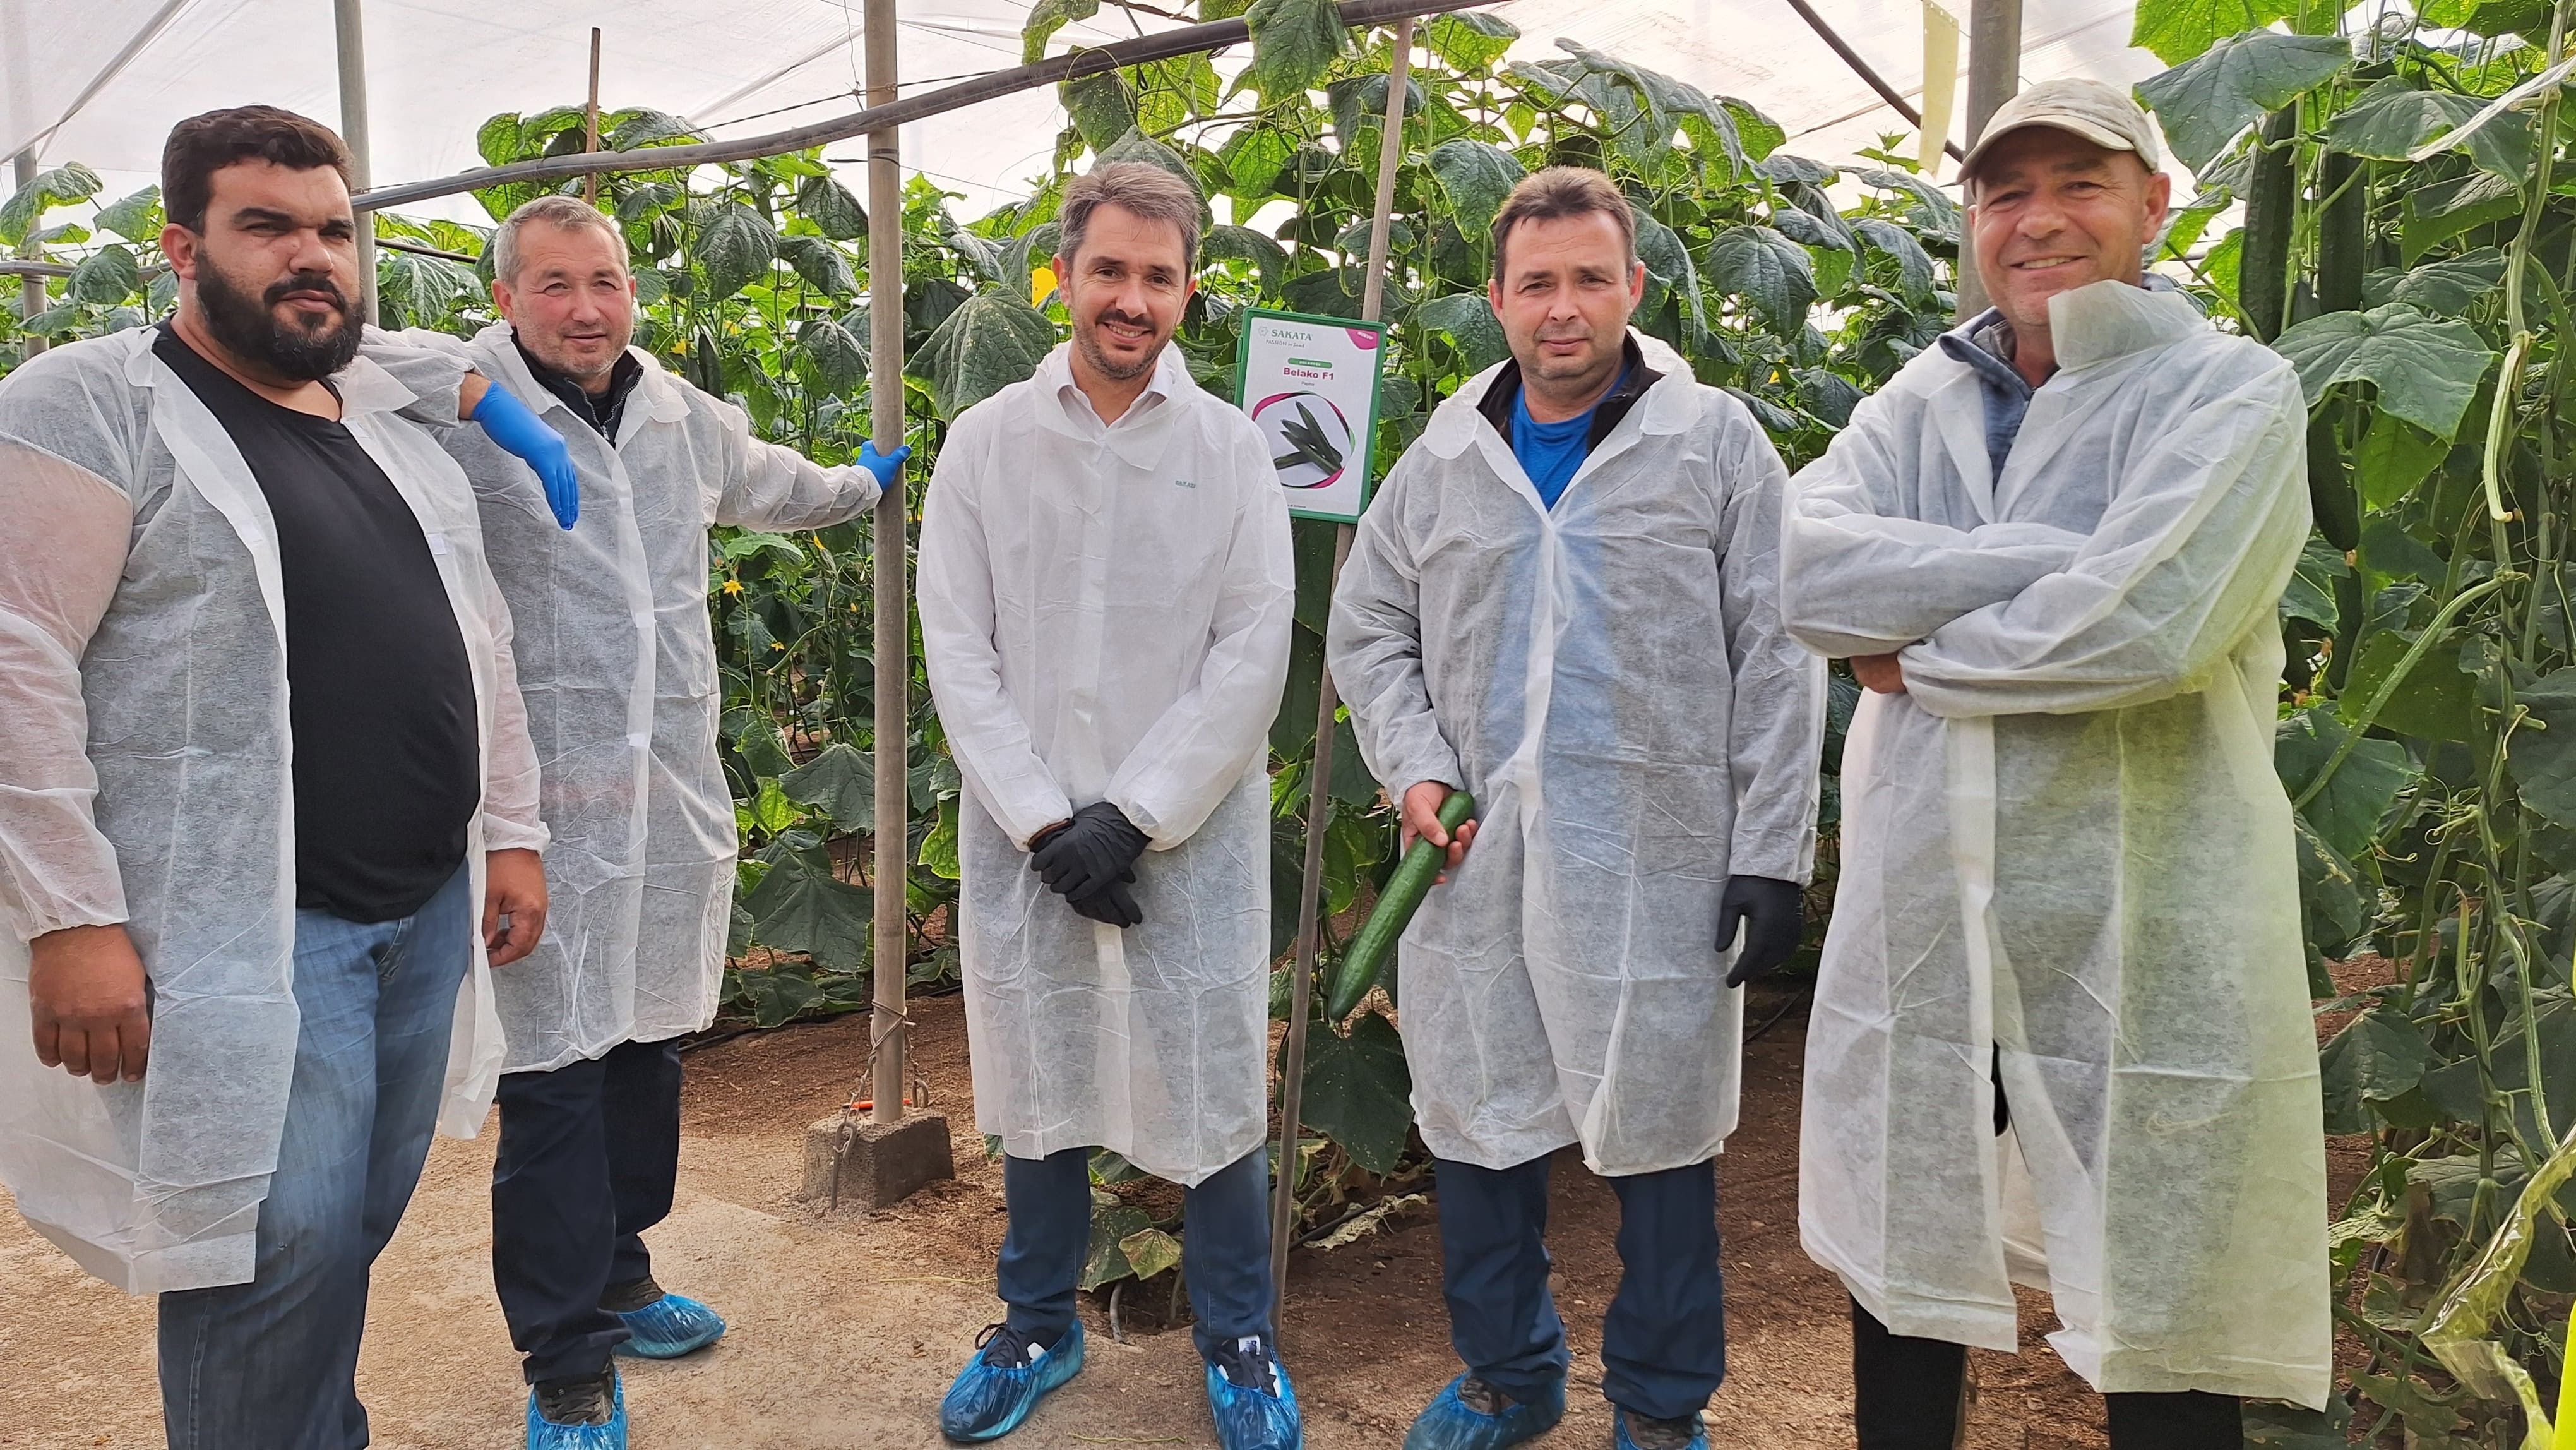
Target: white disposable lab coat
point(147, 781)
point(1105, 613)
point(1610, 679)
point(2066, 858)
point(619, 670)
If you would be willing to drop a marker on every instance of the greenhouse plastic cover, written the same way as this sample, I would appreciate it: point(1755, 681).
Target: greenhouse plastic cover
point(100, 81)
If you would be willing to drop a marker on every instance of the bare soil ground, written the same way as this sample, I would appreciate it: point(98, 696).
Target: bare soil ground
point(847, 1326)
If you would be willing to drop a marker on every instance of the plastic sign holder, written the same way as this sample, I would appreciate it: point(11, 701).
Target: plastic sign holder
point(1312, 384)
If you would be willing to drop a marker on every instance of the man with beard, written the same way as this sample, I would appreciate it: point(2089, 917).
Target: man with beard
point(619, 669)
point(1106, 590)
point(267, 767)
point(2061, 1034)
point(1566, 603)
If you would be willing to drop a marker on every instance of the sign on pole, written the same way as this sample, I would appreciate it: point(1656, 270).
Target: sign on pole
point(1312, 385)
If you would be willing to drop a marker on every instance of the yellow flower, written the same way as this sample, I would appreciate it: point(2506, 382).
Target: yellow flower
point(1042, 284)
point(773, 644)
point(733, 586)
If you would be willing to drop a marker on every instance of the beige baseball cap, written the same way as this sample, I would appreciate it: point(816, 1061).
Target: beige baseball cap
point(2103, 114)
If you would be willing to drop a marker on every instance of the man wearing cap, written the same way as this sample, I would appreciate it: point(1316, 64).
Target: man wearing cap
point(2061, 1034)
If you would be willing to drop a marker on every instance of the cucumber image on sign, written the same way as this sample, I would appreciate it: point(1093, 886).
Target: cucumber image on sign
point(1309, 438)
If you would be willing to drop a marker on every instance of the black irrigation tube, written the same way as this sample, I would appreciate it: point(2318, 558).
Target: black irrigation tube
point(1162, 45)
point(1864, 70)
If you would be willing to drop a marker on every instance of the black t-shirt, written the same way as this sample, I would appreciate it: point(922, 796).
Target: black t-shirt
point(380, 696)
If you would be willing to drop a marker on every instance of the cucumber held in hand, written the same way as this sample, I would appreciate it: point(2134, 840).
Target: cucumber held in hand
point(1395, 907)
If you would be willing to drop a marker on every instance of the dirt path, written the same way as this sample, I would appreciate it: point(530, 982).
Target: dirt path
point(847, 1327)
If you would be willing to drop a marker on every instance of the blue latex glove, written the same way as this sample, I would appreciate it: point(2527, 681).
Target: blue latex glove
point(511, 425)
point(884, 465)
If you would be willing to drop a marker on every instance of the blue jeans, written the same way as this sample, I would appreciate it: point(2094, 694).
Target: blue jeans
point(271, 1364)
point(1663, 1343)
point(1225, 1245)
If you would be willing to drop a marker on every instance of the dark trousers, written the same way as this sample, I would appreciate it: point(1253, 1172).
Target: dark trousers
point(1225, 1245)
point(1663, 1343)
point(1907, 1391)
point(589, 1153)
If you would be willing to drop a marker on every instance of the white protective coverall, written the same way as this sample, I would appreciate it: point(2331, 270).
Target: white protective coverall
point(1105, 613)
point(147, 781)
point(2066, 855)
point(619, 670)
point(1610, 679)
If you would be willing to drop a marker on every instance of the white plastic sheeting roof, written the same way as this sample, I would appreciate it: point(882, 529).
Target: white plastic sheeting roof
point(101, 81)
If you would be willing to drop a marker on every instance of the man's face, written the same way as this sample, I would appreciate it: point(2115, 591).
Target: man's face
point(1564, 298)
point(2054, 212)
point(1125, 289)
point(573, 301)
point(274, 276)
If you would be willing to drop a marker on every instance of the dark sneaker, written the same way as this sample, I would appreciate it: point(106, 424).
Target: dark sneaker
point(584, 1414)
point(1005, 1380)
point(1632, 1431)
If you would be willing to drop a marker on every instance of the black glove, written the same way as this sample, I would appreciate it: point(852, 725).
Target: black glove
point(1112, 903)
point(1771, 917)
point(1088, 852)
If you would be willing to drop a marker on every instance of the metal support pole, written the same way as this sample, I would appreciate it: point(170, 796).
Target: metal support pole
point(590, 122)
point(887, 1035)
point(1319, 773)
point(353, 133)
point(1994, 74)
point(31, 287)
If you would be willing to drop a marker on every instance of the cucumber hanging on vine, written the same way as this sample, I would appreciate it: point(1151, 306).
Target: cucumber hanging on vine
point(2271, 211)
point(1403, 896)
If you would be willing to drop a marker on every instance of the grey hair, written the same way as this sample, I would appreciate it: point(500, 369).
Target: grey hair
point(566, 213)
point(1139, 188)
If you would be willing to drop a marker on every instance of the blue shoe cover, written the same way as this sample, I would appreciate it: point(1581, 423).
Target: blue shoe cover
point(1249, 1416)
point(1450, 1423)
point(1619, 1439)
point(671, 1326)
point(998, 1387)
point(545, 1434)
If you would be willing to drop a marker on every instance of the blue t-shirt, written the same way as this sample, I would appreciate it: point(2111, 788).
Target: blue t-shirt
point(1550, 452)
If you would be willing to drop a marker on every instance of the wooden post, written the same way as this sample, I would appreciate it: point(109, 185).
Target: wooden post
point(1994, 74)
point(353, 134)
point(31, 288)
point(886, 1028)
point(1319, 773)
point(590, 122)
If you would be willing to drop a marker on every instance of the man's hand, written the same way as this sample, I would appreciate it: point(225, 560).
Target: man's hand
point(514, 888)
point(1421, 816)
point(85, 999)
point(1878, 672)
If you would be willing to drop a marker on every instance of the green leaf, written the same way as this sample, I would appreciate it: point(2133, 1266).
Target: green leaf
point(2311, 592)
point(2348, 813)
point(1150, 1251)
point(2209, 100)
point(1470, 40)
point(938, 853)
point(2449, 287)
point(2436, 701)
point(497, 139)
point(1929, 207)
point(1916, 278)
point(2389, 553)
point(841, 783)
point(1246, 245)
point(1102, 105)
point(736, 245)
point(2543, 760)
point(1254, 156)
point(821, 265)
point(2334, 897)
point(55, 186)
point(2393, 458)
point(2426, 370)
point(108, 275)
point(748, 542)
point(2394, 117)
point(829, 206)
point(1045, 19)
point(994, 340)
point(800, 906)
point(1112, 1224)
point(776, 995)
point(137, 218)
point(2177, 30)
point(1358, 1092)
point(1293, 41)
point(1476, 176)
point(1467, 320)
point(1767, 270)
point(1810, 229)
point(2379, 1055)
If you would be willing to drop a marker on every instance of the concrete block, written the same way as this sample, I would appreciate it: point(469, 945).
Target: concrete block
point(852, 1162)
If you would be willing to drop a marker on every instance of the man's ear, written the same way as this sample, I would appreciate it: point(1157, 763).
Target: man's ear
point(180, 245)
point(2159, 202)
point(503, 299)
point(1494, 296)
point(1637, 282)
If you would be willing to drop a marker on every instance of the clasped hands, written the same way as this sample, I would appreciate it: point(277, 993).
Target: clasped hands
point(1090, 861)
